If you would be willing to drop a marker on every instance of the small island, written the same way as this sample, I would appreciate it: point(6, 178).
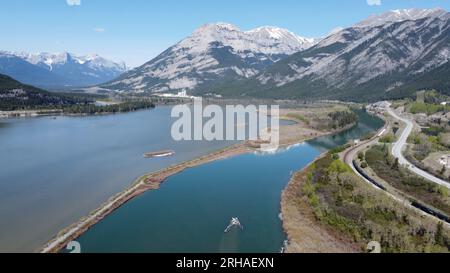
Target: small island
point(159, 154)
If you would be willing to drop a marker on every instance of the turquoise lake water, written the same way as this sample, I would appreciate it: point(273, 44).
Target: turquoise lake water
point(191, 210)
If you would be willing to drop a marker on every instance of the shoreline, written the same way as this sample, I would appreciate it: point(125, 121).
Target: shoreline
point(60, 112)
point(29, 114)
point(147, 182)
point(154, 180)
point(301, 237)
point(36, 113)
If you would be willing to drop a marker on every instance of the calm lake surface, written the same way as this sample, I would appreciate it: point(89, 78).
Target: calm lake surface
point(191, 210)
point(53, 171)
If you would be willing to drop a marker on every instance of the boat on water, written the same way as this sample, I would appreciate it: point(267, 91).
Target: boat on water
point(234, 223)
point(159, 154)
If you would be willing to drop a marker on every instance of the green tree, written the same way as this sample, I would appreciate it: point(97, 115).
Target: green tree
point(439, 235)
point(339, 167)
point(361, 156)
point(396, 164)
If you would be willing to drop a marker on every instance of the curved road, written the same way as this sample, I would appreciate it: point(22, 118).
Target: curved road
point(351, 154)
point(400, 144)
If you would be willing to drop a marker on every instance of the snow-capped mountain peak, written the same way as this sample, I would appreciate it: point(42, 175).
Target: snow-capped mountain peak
point(68, 68)
point(281, 34)
point(212, 54)
point(399, 15)
point(266, 40)
point(216, 27)
point(93, 61)
point(392, 52)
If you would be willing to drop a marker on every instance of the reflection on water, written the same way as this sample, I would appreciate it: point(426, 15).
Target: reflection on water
point(366, 124)
point(230, 242)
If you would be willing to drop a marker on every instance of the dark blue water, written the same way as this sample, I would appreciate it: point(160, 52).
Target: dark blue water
point(191, 210)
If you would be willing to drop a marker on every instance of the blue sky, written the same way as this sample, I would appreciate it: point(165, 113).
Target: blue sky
point(137, 30)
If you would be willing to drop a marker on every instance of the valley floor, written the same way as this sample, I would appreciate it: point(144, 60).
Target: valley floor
point(289, 134)
point(328, 208)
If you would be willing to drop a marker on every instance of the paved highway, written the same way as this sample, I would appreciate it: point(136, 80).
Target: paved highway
point(400, 144)
point(351, 153)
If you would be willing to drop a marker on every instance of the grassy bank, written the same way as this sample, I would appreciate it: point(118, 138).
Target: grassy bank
point(343, 206)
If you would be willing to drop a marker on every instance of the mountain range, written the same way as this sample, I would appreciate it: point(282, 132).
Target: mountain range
point(213, 54)
point(389, 55)
point(386, 56)
point(56, 71)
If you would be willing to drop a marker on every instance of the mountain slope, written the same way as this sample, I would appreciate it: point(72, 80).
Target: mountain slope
point(59, 70)
point(17, 96)
point(385, 56)
point(213, 54)
point(24, 71)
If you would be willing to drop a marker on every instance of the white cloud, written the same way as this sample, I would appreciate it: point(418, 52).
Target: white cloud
point(73, 2)
point(374, 2)
point(99, 29)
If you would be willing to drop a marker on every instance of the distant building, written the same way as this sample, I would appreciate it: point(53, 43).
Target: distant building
point(378, 107)
point(182, 94)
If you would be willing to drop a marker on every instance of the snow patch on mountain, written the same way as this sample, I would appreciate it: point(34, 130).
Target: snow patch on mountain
point(211, 53)
point(417, 43)
point(66, 69)
point(399, 15)
point(266, 40)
